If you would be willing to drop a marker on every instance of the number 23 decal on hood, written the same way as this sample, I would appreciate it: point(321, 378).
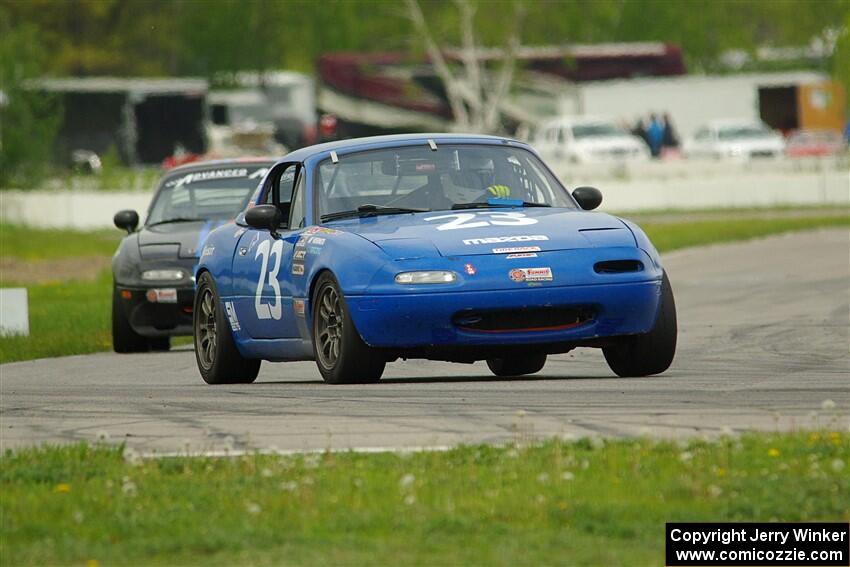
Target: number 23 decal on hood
point(493, 218)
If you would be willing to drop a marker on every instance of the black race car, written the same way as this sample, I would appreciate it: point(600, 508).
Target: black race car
point(153, 269)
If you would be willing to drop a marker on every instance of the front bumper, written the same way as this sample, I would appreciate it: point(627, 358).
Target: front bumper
point(157, 319)
point(429, 319)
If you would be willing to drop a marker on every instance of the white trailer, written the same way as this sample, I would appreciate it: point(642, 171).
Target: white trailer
point(691, 100)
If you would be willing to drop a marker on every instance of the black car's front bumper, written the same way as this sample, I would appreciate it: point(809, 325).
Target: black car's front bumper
point(153, 316)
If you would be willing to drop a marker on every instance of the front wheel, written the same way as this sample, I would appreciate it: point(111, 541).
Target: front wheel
point(517, 365)
point(652, 352)
point(341, 355)
point(219, 361)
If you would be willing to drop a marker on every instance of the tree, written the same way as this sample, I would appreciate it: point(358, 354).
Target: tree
point(474, 97)
point(28, 120)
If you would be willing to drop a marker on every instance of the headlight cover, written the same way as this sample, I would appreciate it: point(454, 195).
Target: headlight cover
point(426, 277)
point(170, 275)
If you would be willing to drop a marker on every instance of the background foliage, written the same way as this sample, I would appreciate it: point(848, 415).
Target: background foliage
point(200, 37)
point(28, 121)
point(211, 38)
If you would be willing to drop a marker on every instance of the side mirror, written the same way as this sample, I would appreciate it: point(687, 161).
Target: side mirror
point(264, 217)
point(126, 220)
point(588, 198)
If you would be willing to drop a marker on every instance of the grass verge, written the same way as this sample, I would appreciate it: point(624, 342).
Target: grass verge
point(673, 236)
point(27, 243)
point(557, 503)
point(73, 317)
point(70, 317)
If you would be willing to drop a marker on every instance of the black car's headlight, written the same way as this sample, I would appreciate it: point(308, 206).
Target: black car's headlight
point(167, 275)
point(426, 277)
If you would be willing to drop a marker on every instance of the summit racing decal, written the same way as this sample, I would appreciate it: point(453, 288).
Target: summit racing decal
point(531, 275)
point(501, 239)
point(204, 175)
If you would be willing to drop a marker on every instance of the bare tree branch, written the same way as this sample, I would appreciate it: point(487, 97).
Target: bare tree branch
point(506, 74)
point(475, 96)
point(454, 90)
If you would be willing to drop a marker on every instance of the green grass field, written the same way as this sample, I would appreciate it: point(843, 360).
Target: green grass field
point(673, 236)
point(72, 317)
point(559, 503)
point(33, 244)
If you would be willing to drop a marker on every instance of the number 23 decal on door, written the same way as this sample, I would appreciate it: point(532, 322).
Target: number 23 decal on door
point(269, 310)
point(495, 218)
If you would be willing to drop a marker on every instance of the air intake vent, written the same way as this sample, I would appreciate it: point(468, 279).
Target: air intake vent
point(618, 266)
point(552, 318)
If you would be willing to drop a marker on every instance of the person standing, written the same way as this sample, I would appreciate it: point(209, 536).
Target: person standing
point(655, 135)
point(669, 139)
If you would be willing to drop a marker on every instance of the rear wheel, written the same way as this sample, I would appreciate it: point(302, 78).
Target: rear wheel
point(124, 338)
point(517, 365)
point(652, 352)
point(219, 361)
point(341, 355)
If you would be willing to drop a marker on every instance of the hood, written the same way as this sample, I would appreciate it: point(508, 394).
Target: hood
point(489, 231)
point(175, 240)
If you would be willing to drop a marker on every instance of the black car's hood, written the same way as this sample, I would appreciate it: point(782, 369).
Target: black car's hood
point(175, 240)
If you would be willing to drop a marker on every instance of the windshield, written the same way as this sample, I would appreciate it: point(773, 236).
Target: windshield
point(596, 130)
point(738, 132)
point(417, 177)
point(219, 193)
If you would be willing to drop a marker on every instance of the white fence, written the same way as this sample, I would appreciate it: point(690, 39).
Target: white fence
point(649, 186)
point(688, 184)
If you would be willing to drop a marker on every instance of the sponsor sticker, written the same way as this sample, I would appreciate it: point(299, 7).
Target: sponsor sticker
point(501, 239)
point(165, 295)
point(320, 230)
point(523, 255)
point(531, 275)
point(297, 269)
point(204, 175)
point(299, 254)
point(516, 249)
point(298, 307)
point(317, 240)
point(208, 251)
point(469, 269)
point(314, 250)
point(231, 315)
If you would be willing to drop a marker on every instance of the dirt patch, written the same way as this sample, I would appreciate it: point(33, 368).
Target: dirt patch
point(85, 268)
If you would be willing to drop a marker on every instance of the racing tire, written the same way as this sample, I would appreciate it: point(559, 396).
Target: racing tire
point(652, 352)
point(159, 344)
point(341, 355)
point(517, 365)
point(219, 361)
point(124, 338)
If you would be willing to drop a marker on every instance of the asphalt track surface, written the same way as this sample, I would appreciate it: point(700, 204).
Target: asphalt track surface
point(764, 344)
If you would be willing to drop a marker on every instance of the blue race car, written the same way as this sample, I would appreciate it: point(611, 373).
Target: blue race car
point(446, 247)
